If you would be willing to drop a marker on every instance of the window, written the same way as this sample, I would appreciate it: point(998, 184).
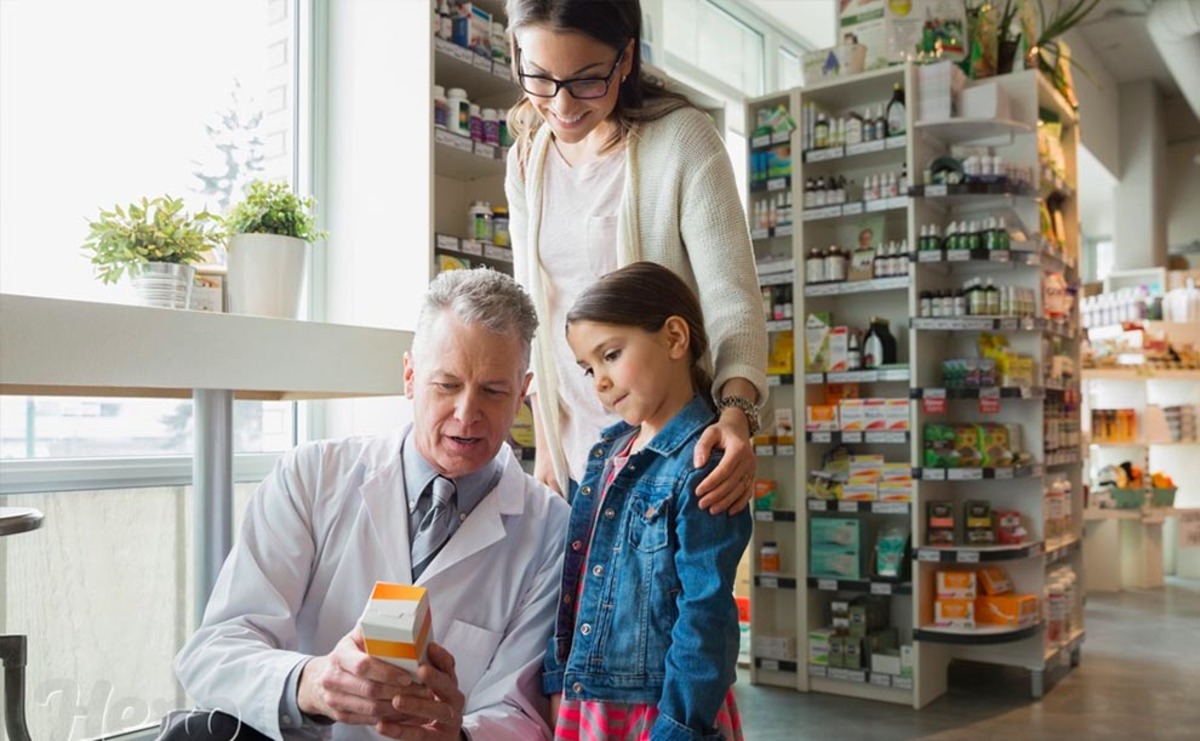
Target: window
point(703, 34)
point(102, 104)
point(790, 70)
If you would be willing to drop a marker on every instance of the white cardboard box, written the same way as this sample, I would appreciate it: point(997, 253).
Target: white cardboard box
point(396, 625)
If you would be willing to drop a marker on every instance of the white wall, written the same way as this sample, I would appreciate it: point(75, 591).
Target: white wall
point(1099, 104)
point(1183, 193)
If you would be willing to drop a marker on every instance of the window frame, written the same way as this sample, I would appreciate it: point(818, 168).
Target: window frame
point(51, 475)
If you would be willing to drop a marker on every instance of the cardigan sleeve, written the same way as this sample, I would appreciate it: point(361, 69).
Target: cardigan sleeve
point(716, 237)
point(518, 230)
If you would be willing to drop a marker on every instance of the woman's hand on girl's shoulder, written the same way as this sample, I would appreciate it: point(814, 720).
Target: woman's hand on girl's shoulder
point(730, 486)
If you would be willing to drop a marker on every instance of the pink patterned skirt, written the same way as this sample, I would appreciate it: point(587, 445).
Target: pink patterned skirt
point(595, 720)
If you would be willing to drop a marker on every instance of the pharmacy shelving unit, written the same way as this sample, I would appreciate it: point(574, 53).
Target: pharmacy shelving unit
point(1027, 265)
point(1136, 548)
point(794, 603)
point(467, 171)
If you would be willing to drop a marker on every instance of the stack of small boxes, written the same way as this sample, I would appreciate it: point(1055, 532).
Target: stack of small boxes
point(860, 639)
point(835, 548)
point(869, 478)
point(967, 599)
point(845, 411)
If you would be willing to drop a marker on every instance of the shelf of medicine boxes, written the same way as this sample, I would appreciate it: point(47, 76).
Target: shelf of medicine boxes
point(1026, 92)
point(822, 226)
point(475, 252)
point(1022, 253)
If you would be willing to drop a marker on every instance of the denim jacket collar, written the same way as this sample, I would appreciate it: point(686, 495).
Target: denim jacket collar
point(697, 415)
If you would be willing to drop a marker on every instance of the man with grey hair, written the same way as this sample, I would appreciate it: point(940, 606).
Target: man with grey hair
point(444, 506)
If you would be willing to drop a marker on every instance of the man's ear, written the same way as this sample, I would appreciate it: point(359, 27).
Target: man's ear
point(678, 337)
point(410, 375)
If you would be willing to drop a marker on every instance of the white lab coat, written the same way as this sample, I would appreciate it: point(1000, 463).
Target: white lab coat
point(328, 522)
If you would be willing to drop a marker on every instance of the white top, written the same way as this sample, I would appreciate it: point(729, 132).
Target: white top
point(680, 208)
point(579, 245)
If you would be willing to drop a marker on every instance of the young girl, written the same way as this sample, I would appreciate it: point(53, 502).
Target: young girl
point(646, 639)
point(609, 168)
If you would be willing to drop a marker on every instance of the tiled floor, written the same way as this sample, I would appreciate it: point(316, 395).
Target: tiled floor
point(1139, 679)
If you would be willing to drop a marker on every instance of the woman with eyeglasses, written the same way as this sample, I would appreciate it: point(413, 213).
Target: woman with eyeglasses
point(609, 168)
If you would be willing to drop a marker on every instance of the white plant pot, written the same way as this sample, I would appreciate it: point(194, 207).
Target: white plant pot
point(164, 285)
point(266, 274)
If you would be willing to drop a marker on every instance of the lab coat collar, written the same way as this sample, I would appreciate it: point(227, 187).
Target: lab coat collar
point(386, 499)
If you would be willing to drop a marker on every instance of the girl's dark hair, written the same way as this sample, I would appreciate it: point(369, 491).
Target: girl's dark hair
point(614, 23)
point(645, 295)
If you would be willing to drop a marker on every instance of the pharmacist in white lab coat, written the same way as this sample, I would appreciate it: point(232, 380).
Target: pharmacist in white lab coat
point(278, 650)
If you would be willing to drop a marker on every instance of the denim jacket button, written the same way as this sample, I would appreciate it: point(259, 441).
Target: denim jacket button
point(577, 688)
point(566, 599)
point(577, 546)
point(597, 570)
point(586, 629)
point(609, 513)
point(597, 452)
point(586, 491)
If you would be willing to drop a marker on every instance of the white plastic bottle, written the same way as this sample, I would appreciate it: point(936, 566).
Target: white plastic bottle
point(479, 221)
point(458, 112)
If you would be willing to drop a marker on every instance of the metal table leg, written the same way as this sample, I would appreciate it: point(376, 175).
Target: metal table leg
point(212, 477)
point(12, 655)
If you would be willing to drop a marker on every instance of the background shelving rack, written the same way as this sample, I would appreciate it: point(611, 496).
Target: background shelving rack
point(802, 606)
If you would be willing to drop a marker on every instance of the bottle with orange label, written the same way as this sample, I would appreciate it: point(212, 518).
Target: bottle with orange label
point(769, 561)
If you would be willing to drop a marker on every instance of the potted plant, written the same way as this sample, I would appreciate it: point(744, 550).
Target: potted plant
point(269, 234)
point(1009, 37)
point(1047, 51)
point(154, 243)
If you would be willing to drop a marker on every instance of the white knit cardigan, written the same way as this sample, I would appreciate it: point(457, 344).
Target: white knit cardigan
point(680, 208)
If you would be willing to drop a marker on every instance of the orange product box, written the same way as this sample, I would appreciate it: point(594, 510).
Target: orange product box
point(954, 613)
point(994, 580)
point(835, 392)
point(820, 418)
point(956, 585)
point(396, 624)
point(895, 491)
point(852, 415)
point(860, 492)
point(1011, 610)
point(876, 411)
point(896, 414)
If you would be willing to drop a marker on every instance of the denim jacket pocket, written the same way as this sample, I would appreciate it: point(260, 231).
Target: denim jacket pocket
point(648, 524)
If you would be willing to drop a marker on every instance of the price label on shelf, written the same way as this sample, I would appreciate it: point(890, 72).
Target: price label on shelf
point(760, 233)
point(886, 437)
point(824, 155)
point(902, 683)
point(933, 404)
point(852, 209)
point(827, 585)
point(964, 474)
point(958, 255)
point(472, 247)
point(845, 506)
point(818, 505)
point(768, 582)
point(881, 588)
point(881, 680)
point(889, 508)
point(933, 474)
point(483, 63)
point(764, 141)
point(852, 437)
point(816, 670)
point(999, 256)
point(1003, 473)
point(935, 191)
point(929, 256)
point(764, 450)
point(447, 242)
point(764, 516)
point(785, 450)
point(770, 665)
point(929, 555)
point(775, 184)
point(967, 557)
point(822, 437)
point(487, 151)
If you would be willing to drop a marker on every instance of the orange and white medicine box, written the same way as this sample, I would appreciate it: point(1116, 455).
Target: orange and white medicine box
point(994, 580)
point(954, 613)
point(1011, 610)
point(874, 411)
point(396, 624)
point(852, 415)
point(820, 418)
point(896, 414)
point(956, 585)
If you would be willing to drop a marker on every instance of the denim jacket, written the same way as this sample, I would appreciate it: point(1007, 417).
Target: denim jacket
point(658, 622)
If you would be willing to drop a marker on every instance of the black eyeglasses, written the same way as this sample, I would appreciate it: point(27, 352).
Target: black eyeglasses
point(583, 88)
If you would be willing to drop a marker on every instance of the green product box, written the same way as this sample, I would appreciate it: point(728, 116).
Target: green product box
point(837, 531)
point(867, 614)
point(837, 652)
point(853, 653)
point(834, 562)
point(819, 646)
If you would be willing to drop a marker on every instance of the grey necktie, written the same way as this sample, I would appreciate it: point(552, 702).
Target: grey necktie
point(436, 526)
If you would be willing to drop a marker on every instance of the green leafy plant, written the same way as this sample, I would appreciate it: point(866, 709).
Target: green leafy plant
point(156, 230)
point(272, 208)
point(1067, 15)
point(1007, 16)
